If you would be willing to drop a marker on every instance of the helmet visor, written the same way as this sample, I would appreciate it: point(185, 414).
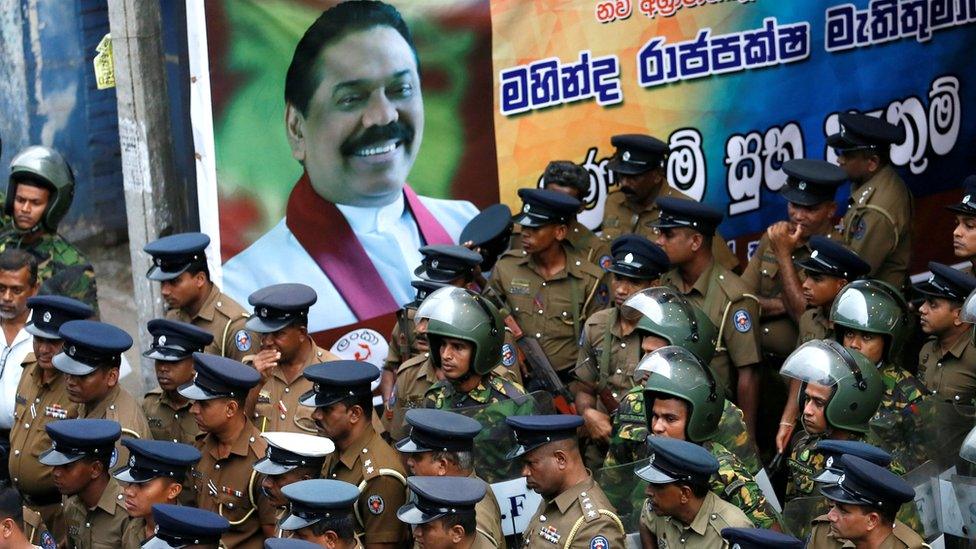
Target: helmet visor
point(661, 308)
point(819, 361)
point(968, 313)
point(676, 364)
point(454, 307)
point(968, 449)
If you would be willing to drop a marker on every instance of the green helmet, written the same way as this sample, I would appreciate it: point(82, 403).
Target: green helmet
point(462, 314)
point(675, 371)
point(968, 449)
point(856, 385)
point(968, 313)
point(876, 307)
point(669, 315)
point(49, 166)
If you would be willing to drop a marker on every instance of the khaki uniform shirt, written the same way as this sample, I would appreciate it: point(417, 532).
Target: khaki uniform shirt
point(169, 420)
point(878, 225)
point(763, 279)
point(134, 534)
point(277, 407)
point(901, 537)
point(950, 375)
point(607, 358)
point(814, 324)
point(228, 485)
point(578, 517)
point(705, 531)
point(489, 518)
point(620, 217)
point(552, 311)
point(403, 340)
point(372, 465)
point(121, 407)
point(37, 404)
point(723, 297)
point(224, 318)
point(98, 528)
point(36, 530)
point(413, 378)
point(594, 249)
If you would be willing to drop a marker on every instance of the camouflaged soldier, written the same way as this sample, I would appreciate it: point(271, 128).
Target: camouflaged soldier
point(610, 345)
point(180, 266)
point(224, 480)
point(155, 473)
point(687, 228)
point(771, 274)
point(945, 362)
point(964, 235)
point(574, 512)
point(343, 403)
point(680, 510)
point(638, 164)
point(466, 334)
point(547, 286)
point(172, 349)
point(39, 194)
point(828, 269)
point(280, 320)
point(81, 453)
point(442, 511)
point(42, 397)
point(90, 357)
point(877, 225)
point(321, 512)
point(840, 392)
point(442, 443)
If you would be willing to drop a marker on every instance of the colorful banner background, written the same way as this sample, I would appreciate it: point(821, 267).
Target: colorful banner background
point(736, 87)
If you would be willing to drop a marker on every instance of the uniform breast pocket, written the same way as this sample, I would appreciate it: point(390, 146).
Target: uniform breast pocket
point(303, 419)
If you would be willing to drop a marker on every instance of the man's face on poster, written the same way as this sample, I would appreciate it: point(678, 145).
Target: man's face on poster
point(364, 123)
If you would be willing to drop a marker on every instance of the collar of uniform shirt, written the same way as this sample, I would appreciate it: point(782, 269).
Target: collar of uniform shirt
point(372, 219)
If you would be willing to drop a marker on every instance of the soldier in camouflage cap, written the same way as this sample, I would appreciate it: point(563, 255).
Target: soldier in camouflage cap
point(38, 196)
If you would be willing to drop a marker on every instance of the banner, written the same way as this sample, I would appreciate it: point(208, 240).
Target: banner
point(736, 87)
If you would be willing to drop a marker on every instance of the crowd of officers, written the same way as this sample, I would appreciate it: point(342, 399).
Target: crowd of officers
point(638, 353)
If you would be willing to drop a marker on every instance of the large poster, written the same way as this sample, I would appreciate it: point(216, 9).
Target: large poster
point(737, 87)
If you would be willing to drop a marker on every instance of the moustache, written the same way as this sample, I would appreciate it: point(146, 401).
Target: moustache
point(626, 190)
point(377, 134)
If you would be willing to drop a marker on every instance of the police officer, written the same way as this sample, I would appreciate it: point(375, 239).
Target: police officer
point(574, 512)
point(180, 266)
point(466, 334)
point(225, 483)
point(442, 443)
point(686, 229)
point(321, 511)
point(180, 527)
point(683, 401)
point(291, 457)
point(681, 511)
point(878, 222)
point(839, 394)
point(946, 359)
point(964, 235)
point(343, 403)
point(757, 538)
point(443, 514)
point(42, 397)
point(610, 343)
point(771, 274)
point(865, 500)
point(155, 473)
point(547, 286)
point(90, 357)
point(489, 234)
point(639, 164)
point(172, 349)
point(826, 271)
point(40, 175)
point(281, 321)
point(81, 453)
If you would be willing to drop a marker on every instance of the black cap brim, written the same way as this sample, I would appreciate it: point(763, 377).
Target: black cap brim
point(838, 141)
point(927, 288)
point(64, 363)
point(421, 272)
point(813, 266)
point(626, 168)
point(531, 221)
point(266, 326)
point(54, 458)
point(961, 209)
point(826, 477)
point(314, 400)
point(268, 467)
point(133, 476)
point(157, 274)
point(653, 475)
point(409, 446)
point(631, 274)
point(33, 330)
point(411, 514)
point(294, 522)
point(522, 449)
point(796, 196)
point(192, 391)
point(156, 353)
point(835, 492)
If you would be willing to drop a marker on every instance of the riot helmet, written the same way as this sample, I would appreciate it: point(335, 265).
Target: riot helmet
point(677, 372)
point(876, 307)
point(48, 167)
point(462, 314)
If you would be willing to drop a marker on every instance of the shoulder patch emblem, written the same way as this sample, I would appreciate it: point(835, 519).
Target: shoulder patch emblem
point(860, 228)
point(243, 340)
point(605, 262)
point(375, 504)
point(47, 540)
point(599, 542)
point(742, 321)
point(508, 354)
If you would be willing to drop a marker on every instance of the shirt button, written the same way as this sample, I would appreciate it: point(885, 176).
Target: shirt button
point(219, 304)
point(176, 416)
point(543, 284)
point(516, 309)
point(87, 525)
point(16, 452)
point(542, 518)
point(217, 466)
point(538, 335)
point(37, 400)
point(540, 311)
point(287, 390)
point(623, 345)
point(619, 371)
point(765, 330)
point(764, 271)
point(614, 395)
point(282, 416)
point(27, 426)
point(583, 494)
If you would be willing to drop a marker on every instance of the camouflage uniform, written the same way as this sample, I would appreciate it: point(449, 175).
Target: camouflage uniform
point(492, 389)
point(736, 485)
point(898, 423)
point(61, 268)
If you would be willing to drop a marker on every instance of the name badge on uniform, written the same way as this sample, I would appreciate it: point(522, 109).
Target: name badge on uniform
point(519, 286)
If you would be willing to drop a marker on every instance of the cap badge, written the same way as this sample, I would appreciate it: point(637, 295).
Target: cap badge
point(830, 462)
point(932, 279)
point(72, 351)
point(434, 263)
point(966, 198)
point(626, 156)
point(802, 185)
point(814, 254)
point(263, 311)
point(132, 460)
point(840, 479)
point(47, 316)
point(629, 258)
point(162, 340)
point(527, 208)
point(650, 459)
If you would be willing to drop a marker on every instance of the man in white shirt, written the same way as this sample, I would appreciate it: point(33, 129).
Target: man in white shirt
point(18, 281)
point(355, 120)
